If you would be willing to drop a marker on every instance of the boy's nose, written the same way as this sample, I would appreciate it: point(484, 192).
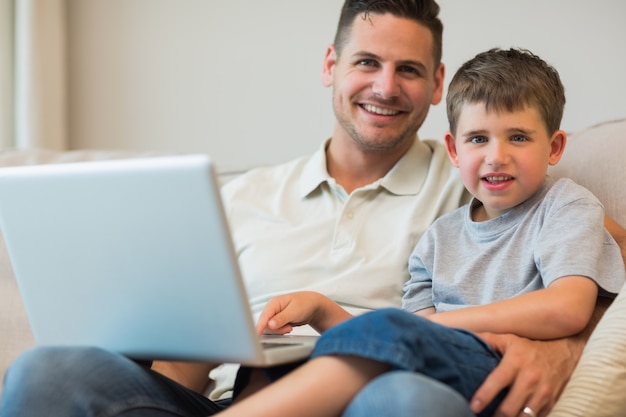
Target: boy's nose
point(497, 154)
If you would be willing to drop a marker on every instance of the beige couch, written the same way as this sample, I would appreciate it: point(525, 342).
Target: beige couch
point(595, 157)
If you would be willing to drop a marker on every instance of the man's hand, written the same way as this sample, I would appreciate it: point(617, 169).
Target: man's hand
point(284, 312)
point(535, 372)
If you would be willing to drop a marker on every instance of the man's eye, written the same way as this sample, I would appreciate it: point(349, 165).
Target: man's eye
point(366, 62)
point(409, 70)
point(478, 139)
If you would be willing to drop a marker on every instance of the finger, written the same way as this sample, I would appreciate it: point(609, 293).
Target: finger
point(498, 342)
point(281, 320)
point(541, 400)
point(272, 307)
point(514, 403)
point(521, 395)
point(279, 330)
point(500, 378)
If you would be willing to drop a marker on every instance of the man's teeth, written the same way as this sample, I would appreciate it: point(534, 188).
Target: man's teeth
point(379, 110)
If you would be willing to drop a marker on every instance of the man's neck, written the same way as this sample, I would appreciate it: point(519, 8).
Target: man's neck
point(353, 167)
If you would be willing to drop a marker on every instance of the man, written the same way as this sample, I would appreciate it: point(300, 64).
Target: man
point(341, 222)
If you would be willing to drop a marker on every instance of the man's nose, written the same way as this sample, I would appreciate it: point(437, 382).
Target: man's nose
point(385, 84)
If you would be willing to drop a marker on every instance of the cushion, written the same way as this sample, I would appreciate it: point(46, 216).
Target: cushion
point(596, 158)
point(598, 383)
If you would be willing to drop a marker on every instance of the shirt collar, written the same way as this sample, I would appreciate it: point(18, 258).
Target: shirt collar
point(314, 172)
point(405, 178)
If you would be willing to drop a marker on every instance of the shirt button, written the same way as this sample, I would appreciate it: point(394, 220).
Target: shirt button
point(350, 215)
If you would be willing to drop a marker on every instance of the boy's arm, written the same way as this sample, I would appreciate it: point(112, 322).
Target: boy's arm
point(563, 309)
point(284, 312)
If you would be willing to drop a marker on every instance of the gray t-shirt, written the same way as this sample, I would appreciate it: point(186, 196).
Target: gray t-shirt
point(557, 232)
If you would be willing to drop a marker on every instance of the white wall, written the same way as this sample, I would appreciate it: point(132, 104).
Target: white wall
point(240, 79)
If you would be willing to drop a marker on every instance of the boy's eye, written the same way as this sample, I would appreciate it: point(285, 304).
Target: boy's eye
point(519, 138)
point(478, 139)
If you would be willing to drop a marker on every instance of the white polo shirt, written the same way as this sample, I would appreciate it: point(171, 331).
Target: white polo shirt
point(295, 229)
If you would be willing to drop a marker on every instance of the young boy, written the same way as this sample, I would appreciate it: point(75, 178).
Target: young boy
point(527, 256)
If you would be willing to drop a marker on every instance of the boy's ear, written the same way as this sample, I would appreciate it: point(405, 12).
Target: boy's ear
point(451, 148)
point(330, 59)
point(557, 146)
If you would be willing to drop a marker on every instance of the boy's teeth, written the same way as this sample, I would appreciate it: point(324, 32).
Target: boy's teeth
point(494, 179)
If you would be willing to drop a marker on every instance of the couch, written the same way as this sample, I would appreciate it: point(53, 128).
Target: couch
point(595, 157)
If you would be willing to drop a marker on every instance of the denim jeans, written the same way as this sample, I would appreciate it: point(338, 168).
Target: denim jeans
point(84, 382)
point(412, 343)
point(407, 394)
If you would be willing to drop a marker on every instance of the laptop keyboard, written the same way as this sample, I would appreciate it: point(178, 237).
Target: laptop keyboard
point(271, 345)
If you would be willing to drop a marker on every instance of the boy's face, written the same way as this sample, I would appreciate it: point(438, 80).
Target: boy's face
point(503, 156)
point(383, 82)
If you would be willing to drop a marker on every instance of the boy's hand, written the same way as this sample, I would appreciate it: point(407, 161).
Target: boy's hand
point(283, 313)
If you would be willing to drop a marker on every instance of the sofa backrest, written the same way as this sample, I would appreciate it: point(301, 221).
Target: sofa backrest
point(596, 158)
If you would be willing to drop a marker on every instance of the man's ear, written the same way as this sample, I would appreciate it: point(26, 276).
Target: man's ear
point(330, 59)
point(557, 146)
point(451, 148)
point(440, 75)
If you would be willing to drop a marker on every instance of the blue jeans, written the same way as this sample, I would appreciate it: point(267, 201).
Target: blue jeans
point(412, 343)
point(82, 382)
point(407, 394)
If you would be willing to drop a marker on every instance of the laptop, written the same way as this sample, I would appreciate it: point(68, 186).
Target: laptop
point(134, 256)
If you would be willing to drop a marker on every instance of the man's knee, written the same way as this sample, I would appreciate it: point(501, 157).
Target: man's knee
point(404, 394)
point(50, 366)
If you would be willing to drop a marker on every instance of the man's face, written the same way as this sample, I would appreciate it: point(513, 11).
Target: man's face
point(383, 82)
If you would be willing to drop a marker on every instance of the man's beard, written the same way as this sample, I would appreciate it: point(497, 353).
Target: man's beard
point(376, 142)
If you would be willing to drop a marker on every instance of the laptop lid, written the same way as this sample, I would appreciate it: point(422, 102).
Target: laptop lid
point(132, 255)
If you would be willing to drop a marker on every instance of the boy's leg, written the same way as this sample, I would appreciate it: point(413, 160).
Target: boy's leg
point(92, 382)
point(321, 387)
point(408, 342)
point(348, 356)
point(407, 394)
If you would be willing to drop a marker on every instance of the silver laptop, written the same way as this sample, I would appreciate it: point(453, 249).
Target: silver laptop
point(135, 256)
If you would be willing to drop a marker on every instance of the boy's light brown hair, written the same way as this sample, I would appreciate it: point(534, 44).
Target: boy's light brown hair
point(507, 80)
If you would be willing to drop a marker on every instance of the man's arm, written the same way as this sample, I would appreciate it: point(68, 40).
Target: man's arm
point(193, 375)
